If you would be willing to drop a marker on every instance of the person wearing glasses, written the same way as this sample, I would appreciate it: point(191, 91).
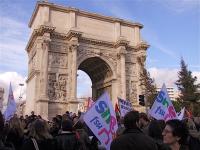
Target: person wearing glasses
point(175, 135)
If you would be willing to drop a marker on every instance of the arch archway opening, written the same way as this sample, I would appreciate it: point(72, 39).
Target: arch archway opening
point(84, 85)
point(100, 74)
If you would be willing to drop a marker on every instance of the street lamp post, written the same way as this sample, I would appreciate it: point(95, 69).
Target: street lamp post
point(20, 94)
point(20, 97)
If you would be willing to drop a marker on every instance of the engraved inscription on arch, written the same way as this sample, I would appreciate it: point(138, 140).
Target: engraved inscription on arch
point(58, 47)
point(57, 60)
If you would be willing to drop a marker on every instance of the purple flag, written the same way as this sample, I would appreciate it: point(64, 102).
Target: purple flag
point(11, 105)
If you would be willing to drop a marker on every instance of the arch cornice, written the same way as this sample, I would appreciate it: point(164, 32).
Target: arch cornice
point(38, 32)
point(52, 6)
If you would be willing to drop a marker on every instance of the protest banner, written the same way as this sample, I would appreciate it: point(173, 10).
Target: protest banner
point(101, 119)
point(124, 106)
point(163, 108)
point(11, 105)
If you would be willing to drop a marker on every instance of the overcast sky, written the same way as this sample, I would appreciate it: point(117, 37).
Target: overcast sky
point(171, 27)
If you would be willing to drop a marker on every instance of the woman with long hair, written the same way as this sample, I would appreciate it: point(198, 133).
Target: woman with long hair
point(15, 133)
point(39, 137)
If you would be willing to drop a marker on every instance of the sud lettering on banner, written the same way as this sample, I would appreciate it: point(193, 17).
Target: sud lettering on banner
point(163, 108)
point(101, 119)
point(124, 106)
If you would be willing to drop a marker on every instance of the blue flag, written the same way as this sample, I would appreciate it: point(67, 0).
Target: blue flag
point(11, 105)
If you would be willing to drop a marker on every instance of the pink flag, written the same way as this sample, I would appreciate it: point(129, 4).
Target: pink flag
point(90, 102)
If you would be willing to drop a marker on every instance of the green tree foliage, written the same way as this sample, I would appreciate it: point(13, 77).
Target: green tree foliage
point(149, 87)
point(186, 84)
point(177, 105)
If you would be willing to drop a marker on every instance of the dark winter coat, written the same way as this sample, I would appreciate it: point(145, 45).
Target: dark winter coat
point(67, 141)
point(133, 139)
point(84, 139)
point(47, 144)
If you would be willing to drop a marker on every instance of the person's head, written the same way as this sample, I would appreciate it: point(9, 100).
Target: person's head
point(16, 126)
point(131, 120)
point(175, 132)
point(21, 118)
point(79, 114)
point(65, 117)
point(39, 130)
point(32, 113)
point(144, 120)
point(67, 112)
point(67, 125)
point(155, 129)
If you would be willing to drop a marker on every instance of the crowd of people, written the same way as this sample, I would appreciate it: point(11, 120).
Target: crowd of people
point(136, 131)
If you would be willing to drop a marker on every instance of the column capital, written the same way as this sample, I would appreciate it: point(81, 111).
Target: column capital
point(142, 46)
point(122, 41)
point(73, 47)
point(141, 60)
point(121, 51)
point(46, 38)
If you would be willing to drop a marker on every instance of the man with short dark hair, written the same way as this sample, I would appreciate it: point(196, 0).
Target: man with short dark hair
point(67, 139)
point(133, 138)
point(144, 123)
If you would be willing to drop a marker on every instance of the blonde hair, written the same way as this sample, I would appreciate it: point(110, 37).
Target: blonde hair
point(39, 130)
point(16, 126)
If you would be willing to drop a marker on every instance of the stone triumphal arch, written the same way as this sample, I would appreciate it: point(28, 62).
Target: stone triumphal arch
point(65, 39)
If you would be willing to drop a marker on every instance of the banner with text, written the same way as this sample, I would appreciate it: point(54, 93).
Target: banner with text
point(124, 106)
point(101, 119)
point(163, 108)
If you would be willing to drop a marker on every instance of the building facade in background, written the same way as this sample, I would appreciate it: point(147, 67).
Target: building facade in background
point(173, 94)
point(64, 40)
point(1, 98)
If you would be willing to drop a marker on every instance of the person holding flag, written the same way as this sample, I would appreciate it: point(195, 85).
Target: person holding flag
point(11, 105)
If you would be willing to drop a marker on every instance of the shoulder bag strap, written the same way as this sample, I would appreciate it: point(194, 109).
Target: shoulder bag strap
point(35, 144)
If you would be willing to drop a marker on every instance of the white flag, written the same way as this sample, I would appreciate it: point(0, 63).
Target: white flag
point(163, 108)
point(180, 115)
point(11, 105)
point(101, 119)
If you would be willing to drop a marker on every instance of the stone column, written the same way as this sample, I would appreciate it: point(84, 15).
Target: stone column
point(69, 88)
point(122, 52)
point(94, 92)
point(42, 103)
point(114, 91)
point(45, 48)
point(74, 71)
point(73, 99)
